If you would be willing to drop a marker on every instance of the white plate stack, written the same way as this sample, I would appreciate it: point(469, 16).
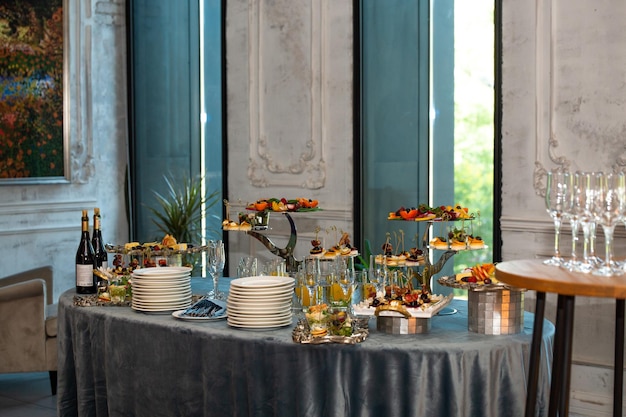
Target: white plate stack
point(260, 302)
point(158, 290)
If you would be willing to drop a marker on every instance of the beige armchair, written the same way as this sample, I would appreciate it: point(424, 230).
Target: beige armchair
point(28, 324)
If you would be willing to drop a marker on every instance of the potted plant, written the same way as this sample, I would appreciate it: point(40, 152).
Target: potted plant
point(179, 211)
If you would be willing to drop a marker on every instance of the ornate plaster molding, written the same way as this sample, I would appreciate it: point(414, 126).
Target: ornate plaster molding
point(546, 142)
point(275, 159)
point(557, 99)
point(79, 98)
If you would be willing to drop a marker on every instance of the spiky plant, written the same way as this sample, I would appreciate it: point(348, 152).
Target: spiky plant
point(180, 209)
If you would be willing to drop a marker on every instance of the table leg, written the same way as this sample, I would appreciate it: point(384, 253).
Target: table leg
point(562, 357)
point(535, 355)
point(618, 378)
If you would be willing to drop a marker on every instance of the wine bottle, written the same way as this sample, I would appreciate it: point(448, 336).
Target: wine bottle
point(96, 241)
point(86, 281)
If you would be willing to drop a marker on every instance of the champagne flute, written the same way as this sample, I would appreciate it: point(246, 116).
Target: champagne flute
point(608, 211)
point(311, 277)
point(555, 200)
point(585, 188)
point(346, 276)
point(572, 214)
point(217, 259)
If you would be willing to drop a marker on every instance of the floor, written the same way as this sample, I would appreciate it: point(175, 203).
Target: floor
point(26, 395)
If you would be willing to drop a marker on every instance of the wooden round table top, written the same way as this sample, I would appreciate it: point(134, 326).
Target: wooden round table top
point(534, 275)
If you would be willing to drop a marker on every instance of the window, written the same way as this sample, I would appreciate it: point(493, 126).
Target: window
point(427, 132)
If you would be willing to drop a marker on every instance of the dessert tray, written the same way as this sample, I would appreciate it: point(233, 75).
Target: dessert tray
point(302, 334)
point(395, 308)
point(424, 212)
point(454, 281)
point(154, 248)
point(258, 213)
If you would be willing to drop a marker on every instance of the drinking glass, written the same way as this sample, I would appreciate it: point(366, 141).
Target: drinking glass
point(572, 213)
point(345, 276)
point(555, 200)
point(584, 191)
point(217, 259)
point(608, 211)
point(301, 287)
point(378, 277)
point(312, 276)
point(248, 267)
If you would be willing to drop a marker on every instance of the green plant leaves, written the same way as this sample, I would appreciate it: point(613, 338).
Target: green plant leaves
point(180, 208)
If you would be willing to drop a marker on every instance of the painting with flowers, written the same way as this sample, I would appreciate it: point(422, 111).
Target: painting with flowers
point(31, 89)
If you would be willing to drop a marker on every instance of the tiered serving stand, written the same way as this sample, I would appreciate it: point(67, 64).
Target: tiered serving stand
point(404, 321)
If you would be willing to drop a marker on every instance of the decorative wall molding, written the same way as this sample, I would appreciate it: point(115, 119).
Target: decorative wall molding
point(283, 59)
point(546, 142)
point(80, 106)
point(577, 71)
point(110, 12)
point(41, 217)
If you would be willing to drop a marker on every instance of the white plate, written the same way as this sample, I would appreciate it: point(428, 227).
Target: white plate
point(235, 302)
point(261, 294)
point(160, 309)
point(179, 315)
point(269, 325)
point(172, 305)
point(167, 277)
point(274, 318)
point(262, 282)
point(163, 271)
point(162, 290)
point(259, 310)
point(260, 320)
point(165, 298)
point(261, 297)
point(158, 285)
point(151, 278)
point(258, 300)
point(148, 282)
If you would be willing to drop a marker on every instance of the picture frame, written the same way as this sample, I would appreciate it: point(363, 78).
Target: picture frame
point(34, 92)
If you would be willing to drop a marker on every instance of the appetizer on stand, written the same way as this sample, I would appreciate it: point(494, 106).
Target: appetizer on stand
point(403, 307)
point(256, 219)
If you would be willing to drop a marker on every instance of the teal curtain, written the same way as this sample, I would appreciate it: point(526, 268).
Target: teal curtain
point(165, 96)
point(398, 136)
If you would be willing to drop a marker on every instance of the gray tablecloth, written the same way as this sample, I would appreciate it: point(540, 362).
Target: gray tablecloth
point(114, 361)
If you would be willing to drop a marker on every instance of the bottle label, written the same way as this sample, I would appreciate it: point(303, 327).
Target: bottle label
point(84, 275)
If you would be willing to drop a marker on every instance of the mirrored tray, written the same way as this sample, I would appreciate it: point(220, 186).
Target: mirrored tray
point(302, 334)
point(452, 282)
point(146, 250)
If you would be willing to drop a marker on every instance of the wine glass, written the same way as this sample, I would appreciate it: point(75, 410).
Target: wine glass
point(555, 200)
point(608, 211)
point(217, 259)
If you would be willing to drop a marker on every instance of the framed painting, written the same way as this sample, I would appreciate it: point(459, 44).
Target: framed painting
point(33, 133)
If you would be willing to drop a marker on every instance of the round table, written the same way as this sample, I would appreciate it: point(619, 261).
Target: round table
point(535, 275)
point(118, 362)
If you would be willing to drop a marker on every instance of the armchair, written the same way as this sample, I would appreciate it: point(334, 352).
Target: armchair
point(28, 323)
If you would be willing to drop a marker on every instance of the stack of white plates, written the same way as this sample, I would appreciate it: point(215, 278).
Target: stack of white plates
point(260, 302)
point(161, 289)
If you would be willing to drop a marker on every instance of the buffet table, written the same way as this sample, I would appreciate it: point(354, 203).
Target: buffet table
point(114, 361)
